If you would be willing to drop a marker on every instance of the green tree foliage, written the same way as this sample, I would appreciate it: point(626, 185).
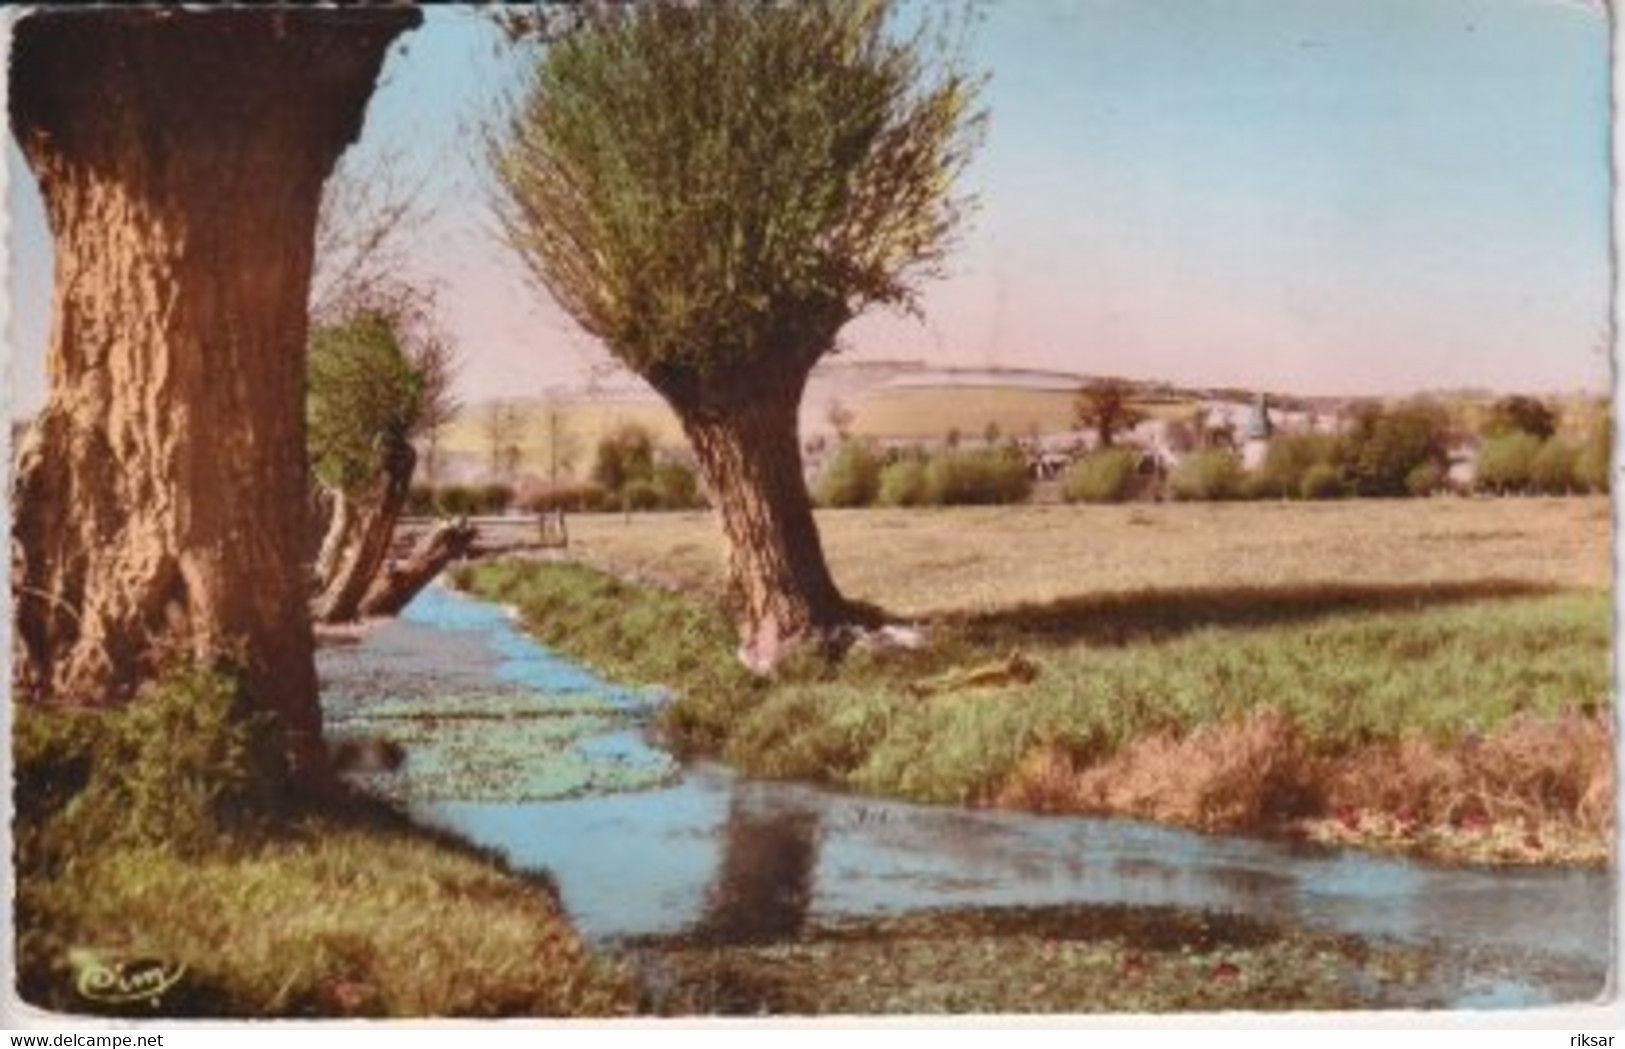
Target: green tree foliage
point(1323, 481)
point(1103, 406)
point(1425, 479)
point(1287, 460)
point(640, 494)
point(711, 185)
point(1211, 473)
point(1520, 414)
point(715, 190)
point(1553, 469)
point(457, 500)
point(977, 477)
point(376, 379)
point(676, 487)
point(631, 476)
point(903, 483)
point(852, 477)
point(1592, 464)
point(625, 455)
point(1384, 446)
point(1105, 476)
point(365, 401)
point(1507, 463)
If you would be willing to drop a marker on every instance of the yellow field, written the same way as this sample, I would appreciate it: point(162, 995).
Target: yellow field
point(579, 426)
point(906, 414)
point(921, 562)
point(928, 413)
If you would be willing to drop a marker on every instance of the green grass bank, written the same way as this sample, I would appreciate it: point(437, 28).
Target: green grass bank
point(158, 835)
point(1469, 720)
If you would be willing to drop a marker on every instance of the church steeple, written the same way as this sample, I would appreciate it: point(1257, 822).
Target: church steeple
point(1259, 426)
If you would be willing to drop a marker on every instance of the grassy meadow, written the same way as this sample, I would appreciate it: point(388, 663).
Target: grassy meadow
point(159, 831)
point(932, 562)
point(1430, 676)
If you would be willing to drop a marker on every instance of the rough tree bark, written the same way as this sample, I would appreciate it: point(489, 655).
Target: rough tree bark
point(743, 427)
point(371, 536)
point(161, 499)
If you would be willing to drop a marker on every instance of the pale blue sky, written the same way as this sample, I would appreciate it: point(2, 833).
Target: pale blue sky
point(1337, 196)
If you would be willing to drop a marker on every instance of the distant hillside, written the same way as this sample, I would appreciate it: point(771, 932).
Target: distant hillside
point(898, 401)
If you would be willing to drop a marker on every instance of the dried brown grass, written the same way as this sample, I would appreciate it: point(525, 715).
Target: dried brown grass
point(971, 560)
point(1536, 789)
point(1530, 772)
point(1218, 777)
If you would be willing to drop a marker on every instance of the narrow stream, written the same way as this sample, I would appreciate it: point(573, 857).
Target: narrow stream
point(640, 845)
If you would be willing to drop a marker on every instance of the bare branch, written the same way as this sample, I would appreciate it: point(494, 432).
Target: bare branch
point(373, 204)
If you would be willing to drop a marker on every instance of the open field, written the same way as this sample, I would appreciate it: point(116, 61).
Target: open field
point(930, 562)
point(927, 413)
point(579, 424)
point(906, 413)
point(1430, 676)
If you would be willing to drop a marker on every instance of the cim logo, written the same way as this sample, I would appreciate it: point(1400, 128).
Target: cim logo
point(119, 982)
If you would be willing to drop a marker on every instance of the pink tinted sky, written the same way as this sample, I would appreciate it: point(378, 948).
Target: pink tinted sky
point(1340, 196)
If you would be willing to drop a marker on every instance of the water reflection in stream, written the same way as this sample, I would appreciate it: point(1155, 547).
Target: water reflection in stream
point(660, 862)
point(741, 861)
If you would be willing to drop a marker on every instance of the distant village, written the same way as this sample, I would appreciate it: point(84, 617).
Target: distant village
point(1162, 443)
point(902, 410)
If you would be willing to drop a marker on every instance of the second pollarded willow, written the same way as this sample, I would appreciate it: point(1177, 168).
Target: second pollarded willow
point(715, 190)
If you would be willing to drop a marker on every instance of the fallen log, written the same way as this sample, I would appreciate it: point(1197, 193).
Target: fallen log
point(1017, 669)
point(399, 582)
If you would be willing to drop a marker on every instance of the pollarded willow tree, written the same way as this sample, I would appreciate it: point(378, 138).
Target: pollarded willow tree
point(160, 501)
point(379, 377)
point(381, 372)
point(715, 189)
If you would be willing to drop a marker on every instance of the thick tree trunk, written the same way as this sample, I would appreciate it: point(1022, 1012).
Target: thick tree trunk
point(397, 585)
point(364, 559)
point(744, 434)
point(161, 501)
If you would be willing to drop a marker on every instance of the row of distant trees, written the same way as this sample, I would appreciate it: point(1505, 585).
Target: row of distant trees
point(629, 472)
point(858, 475)
point(1383, 452)
point(1402, 450)
point(1392, 451)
